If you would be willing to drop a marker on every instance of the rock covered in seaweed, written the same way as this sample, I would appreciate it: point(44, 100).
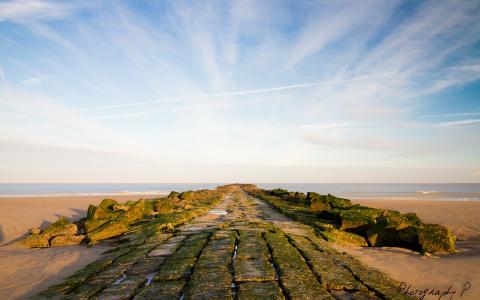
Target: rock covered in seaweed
point(337, 219)
point(60, 233)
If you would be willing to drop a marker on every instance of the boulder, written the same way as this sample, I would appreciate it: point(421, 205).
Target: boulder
point(165, 205)
point(394, 229)
point(135, 213)
point(318, 205)
point(358, 220)
point(332, 201)
point(61, 227)
point(328, 232)
point(66, 240)
point(107, 203)
point(90, 211)
point(33, 241)
point(35, 231)
point(435, 238)
point(107, 230)
point(118, 207)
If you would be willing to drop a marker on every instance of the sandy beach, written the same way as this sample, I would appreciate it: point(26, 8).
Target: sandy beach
point(460, 270)
point(24, 272)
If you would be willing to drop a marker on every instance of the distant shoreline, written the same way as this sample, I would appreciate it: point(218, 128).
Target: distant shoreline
point(93, 194)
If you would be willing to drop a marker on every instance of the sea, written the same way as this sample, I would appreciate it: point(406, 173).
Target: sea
point(427, 191)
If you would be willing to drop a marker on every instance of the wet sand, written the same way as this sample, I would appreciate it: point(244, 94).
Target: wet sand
point(25, 272)
point(440, 271)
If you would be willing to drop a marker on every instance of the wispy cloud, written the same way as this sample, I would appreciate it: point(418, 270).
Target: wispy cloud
point(34, 10)
point(461, 123)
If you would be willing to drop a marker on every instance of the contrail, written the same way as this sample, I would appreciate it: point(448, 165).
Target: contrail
point(224, 94)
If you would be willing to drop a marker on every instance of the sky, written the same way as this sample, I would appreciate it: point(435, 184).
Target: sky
point(239, 91)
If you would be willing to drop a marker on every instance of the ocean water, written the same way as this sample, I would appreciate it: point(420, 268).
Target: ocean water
point(444, 191)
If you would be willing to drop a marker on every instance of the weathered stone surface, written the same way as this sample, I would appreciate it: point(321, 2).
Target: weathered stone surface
point(260, 290)
point(252, 246)
point(165, 249)
point(190, 249)
point(295, 276)
point(134, 255)
point(124, 289)
point(174, 269)
point(332, 274)
point(210, 283)
point(66, 240)
point(60, 227)
point(253, 270)
point(107, 230)
point(146, 265)
point(120, 207)
point(162, 290)
point(135, 212)
point(328, 232)
point(34, 241)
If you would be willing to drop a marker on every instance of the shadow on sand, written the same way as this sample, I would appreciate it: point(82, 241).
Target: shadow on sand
point(51, 253)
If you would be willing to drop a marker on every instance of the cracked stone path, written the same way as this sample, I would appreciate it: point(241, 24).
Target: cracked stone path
point(241, 249)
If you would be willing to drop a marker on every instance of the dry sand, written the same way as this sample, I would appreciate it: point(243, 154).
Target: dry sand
point(440, 271)
point(24, 272)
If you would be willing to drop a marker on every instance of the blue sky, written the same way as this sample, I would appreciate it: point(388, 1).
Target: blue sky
point(252, 91)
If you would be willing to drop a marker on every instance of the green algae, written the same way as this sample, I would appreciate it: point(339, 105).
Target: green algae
point(210, 283)
point(328, 232)
point(435, 238)
point(174, 269)
point(66, 240)
point(107, 230)
point(146, 265)
point(332, 274)
point(107, 204)
point(122, 290)
point(268, 290)
point(253, 270)
point(73, 281)
point(295, 276)
point(162, 290)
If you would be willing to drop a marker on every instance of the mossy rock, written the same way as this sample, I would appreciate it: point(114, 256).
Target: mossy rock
point(107, 230)
point(107, 204)
point(318, 205)
point(123, 290)
point(358, 220)
point(121, 207)
point(210, 283)
point(332, 201)
point(394, 229)
point(253, 270)
point(435, 238)
point(163, 290)
point(33, 241)
point(135, 212)
point(332, 234)
point(260, 290)
point(101, 213)
point(35, 231)
point(66, 240)
point(166, 205)
point(174, 269)
point(90, 211)
point(60, 227)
